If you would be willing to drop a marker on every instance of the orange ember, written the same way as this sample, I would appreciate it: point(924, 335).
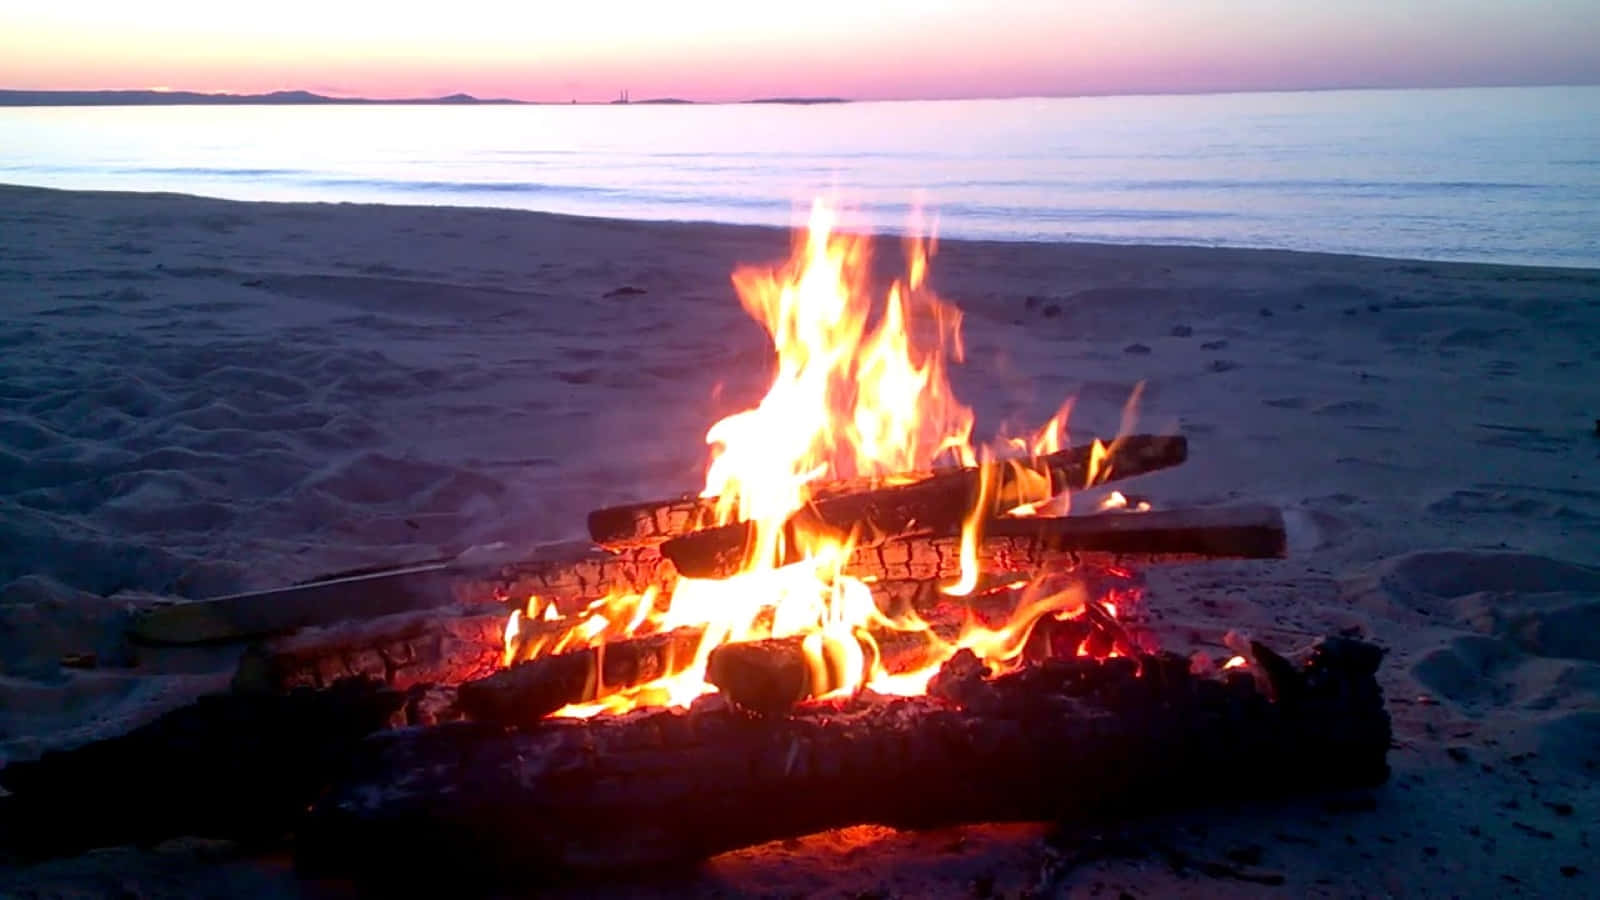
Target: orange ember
point(860, 392)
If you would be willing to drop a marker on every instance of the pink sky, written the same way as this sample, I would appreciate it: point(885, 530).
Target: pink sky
point(863, 49)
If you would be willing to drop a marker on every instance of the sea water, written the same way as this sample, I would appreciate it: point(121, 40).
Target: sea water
point(1481, 174)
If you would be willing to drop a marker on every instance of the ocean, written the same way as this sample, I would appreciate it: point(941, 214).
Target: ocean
point(1506, 175)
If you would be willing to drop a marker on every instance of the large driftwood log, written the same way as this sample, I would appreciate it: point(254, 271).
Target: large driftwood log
point(530, 690)
point(891, 506)
point(1069, 738)
point(1035, 544)
point(571, 575)
point(230, 765)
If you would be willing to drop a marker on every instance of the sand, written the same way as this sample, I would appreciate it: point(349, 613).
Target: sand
point(201, 396)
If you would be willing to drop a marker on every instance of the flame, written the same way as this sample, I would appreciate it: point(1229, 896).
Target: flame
point(855, 395)
point(1118, 500)
point(860, 391)
point(972, 532)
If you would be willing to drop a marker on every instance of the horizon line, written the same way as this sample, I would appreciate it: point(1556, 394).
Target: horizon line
point(185, 97)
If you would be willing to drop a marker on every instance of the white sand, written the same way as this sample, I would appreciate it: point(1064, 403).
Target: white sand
point(198, 396)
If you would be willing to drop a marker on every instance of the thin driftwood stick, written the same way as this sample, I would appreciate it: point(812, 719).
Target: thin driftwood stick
point(891, 506)
point(1070, 738)
point(1034, 544)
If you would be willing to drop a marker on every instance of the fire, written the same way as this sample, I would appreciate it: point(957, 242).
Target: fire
point(860, 392)
point(856, 394)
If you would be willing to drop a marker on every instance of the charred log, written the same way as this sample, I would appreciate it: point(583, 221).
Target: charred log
point(573, 579)
point(446, 646)
point(1035, 544)
point(569, 575)
point(531, 690)
point(1067, 739)
point(938, 499)
point(230, 765)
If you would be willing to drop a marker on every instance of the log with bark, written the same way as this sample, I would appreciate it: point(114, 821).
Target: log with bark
point(530, 690)
point(1036, 543)
point(1066, 739)
point(239, 766)
point(891, 506)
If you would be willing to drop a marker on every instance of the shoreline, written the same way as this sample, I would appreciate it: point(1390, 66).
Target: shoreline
point(878, 236)
point(135, 96)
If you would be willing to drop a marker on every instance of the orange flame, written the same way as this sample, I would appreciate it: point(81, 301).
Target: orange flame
point(850, 398)
point(860, 392)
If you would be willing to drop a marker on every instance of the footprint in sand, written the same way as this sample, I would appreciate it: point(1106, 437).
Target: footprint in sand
point(1516, 437)
point(1349, 408)
point(1502, 368)
point(1521, 642)
point(1497, 500)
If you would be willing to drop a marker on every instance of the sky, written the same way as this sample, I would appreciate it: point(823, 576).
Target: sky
point(712, 50)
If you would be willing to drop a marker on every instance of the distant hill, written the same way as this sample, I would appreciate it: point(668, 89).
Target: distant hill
point(193, 98)
point(298, 98)
point(799, 101)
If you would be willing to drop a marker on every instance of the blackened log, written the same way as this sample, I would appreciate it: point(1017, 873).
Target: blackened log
point(530, 690)
point(445, 646)
point(575, 577)
point(1036, 543)
point(1067, 739)
point(235, 766)
point(570, 575)
point(889, 506)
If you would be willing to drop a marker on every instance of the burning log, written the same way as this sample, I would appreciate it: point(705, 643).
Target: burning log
point(571, 580)
point(1067, 739)
point(937, 500)
point(1036, 543)
point(241, 766)
point(445, 646)
point(531, 690)
point(769, 677)
point(570, 575)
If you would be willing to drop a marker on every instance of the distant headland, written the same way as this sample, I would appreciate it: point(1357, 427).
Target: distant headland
point(307, 98)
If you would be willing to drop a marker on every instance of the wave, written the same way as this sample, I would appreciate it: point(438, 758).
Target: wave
point(1310, 184)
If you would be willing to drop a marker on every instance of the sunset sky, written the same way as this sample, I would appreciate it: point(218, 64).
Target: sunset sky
point(862, 49)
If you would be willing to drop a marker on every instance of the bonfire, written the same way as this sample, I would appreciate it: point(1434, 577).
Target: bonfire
point(863, 615)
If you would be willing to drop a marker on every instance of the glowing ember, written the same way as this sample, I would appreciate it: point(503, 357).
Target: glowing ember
point(860, 392)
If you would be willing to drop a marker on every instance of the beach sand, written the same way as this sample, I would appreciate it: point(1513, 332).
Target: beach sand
point(202, 396)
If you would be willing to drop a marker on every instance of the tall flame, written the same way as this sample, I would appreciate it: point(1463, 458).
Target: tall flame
point(860, 392)
point(856, 394)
